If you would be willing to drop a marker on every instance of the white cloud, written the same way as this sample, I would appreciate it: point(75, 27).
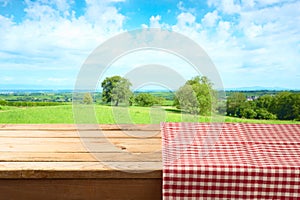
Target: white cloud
point(182, 8)
point(226, 6)
point(186, 22)
point(116, 0)
point(248, 3)
point(230, 7)
point(154, 21)
point(102, 14)
point(51, 39)
point(258, 47)
point(45, 29)
point(144, 26)
point(253, 31)
point(5, 23)
point(251, 42)
point(272, 2)
point(186, 19)
point(210, 18)
point(223, 30)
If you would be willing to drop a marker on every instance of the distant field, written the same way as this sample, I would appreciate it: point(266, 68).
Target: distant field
point(140, 115)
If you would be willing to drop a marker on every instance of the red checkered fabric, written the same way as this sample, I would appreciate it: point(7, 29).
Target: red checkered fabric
point(230, 161)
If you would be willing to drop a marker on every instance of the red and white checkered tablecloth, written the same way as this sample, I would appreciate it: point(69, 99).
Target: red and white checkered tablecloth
point(231, 161)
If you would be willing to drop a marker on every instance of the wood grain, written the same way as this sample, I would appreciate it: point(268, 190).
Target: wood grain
point(74, 189)
point(59, 162)
point(79, 157)
point(44, 161)
point(58, 151)
point(143, 127)
point(75, 134)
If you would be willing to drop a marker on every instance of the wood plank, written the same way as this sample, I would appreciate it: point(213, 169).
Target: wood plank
point(108, 189)
point(76, 148)
point(78, 157)
point(29, 141)
point(76, 134)
point(56, 151)
point(75, 145)
point(73, 127)
point(34, 170)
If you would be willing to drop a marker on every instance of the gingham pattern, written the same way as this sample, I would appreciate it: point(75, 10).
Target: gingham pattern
point(230, 161)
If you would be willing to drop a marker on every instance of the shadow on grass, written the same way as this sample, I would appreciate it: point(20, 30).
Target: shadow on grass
point(173, 110)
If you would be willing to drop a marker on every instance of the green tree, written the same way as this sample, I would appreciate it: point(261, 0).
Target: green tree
point(248, 113)
point(287, 106)
point(186, 100)
point(196, 96)
point(235, 103)
point(131, 100)
point(265, 101)
point(263, 113)
point(146, 99)
point(3, 102)
point(87, 98)
point(263, 106)
point(115, 90)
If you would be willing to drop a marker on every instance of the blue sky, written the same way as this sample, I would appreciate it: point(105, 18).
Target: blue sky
point(43, 43)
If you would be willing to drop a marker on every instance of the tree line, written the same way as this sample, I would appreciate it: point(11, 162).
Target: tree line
point(197, 96)
point(283, 106)
point(28, 103)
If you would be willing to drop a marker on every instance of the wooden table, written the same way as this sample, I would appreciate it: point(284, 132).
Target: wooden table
point(53, 162)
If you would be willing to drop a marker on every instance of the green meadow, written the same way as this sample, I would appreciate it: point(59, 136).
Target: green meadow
point(63, 114)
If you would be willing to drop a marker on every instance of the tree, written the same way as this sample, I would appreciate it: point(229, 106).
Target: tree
point(263, 113)
point(265, 101)
point(186, 100)
point(235, 103)
point(263, 106)
point(3, 102)
point(115, 90)
point(87, 98)
point(196, 96)
point(287, 106)
point(248, 113)
point(146, 99)
point(284, 106)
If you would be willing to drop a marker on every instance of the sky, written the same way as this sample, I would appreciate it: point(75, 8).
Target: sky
point(43, 43)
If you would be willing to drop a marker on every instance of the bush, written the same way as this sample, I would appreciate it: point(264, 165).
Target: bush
point(248, 113)
point(3, 103)
point(146, 99)
point(87, 98)
point(262, 113)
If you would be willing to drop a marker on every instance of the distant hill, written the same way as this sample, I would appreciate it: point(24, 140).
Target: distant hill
point(45, 88)
point(259, 88)
point(14, 87)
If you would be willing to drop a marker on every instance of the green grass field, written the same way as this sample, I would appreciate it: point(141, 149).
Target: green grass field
point(108, 115)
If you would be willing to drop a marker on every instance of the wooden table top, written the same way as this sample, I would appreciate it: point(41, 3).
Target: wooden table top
point(61, 151)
